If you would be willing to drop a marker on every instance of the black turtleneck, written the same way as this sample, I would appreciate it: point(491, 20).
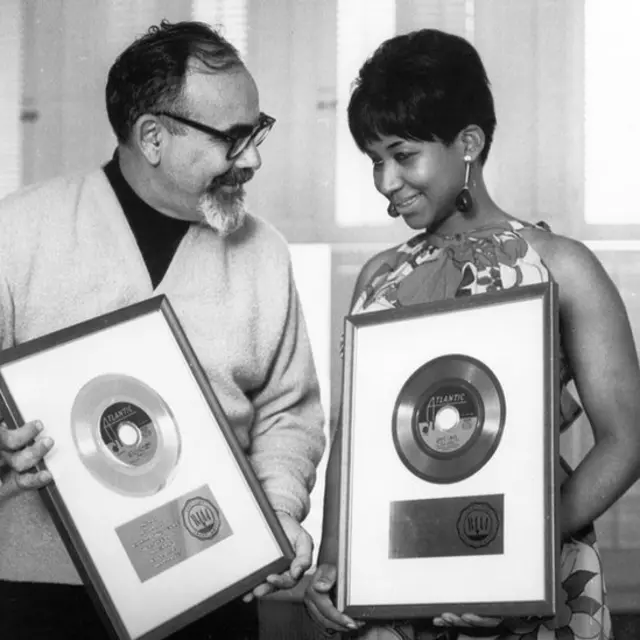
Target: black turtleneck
point(157, 235)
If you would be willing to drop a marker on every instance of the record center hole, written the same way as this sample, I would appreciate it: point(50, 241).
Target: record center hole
point(447, 418)
point(128, 434)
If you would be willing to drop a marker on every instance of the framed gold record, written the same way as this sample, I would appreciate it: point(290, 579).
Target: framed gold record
point(154, 498)
point(449, 458)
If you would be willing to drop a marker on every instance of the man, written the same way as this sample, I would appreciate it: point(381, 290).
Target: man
point(165, 215)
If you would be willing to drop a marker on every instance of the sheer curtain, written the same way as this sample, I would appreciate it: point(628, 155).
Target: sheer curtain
point(230, 16)
point(612, 53)
point(361, 28)
point(11, 96)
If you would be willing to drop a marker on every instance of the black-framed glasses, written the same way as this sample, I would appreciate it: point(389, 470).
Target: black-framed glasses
point(239, 140)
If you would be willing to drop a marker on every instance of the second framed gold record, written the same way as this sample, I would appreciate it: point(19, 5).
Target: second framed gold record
point(448, 418)
point(125, 434)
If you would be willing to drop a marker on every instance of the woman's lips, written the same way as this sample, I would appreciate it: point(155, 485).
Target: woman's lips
point(405, 203)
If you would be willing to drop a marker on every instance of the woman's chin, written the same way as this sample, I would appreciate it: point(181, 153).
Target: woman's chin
point(417, 221)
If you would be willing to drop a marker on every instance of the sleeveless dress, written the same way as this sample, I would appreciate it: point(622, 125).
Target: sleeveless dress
point(492, 258)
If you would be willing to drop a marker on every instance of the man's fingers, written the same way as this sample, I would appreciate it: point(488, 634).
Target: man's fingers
point(21, 450)
point(304, 555)
point(13, 482)
point(35, 480)
point(262, 590)
point(30, 456)
point(16, 439)
point(282, 581)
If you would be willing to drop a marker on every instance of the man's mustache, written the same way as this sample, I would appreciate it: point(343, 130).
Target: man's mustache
point(232, 178)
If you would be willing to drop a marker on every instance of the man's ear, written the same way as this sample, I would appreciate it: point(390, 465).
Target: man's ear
point(471, 141)
point(149, 136)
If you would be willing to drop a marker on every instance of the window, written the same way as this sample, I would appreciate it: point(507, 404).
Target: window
point(229, 16)
point(10, 98)
point(312, 272)
point(361, 27)
point(612, 126)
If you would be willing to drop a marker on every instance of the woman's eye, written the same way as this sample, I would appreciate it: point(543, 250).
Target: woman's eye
point(402, 157)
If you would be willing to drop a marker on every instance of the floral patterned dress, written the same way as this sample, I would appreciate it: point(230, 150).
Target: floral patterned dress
point(432, 268)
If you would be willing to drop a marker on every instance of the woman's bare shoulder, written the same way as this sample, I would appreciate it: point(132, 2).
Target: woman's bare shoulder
point(563, 255)
point(380, 261)
point(573, 265)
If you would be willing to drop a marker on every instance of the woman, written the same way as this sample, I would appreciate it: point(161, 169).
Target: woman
point(422, 110)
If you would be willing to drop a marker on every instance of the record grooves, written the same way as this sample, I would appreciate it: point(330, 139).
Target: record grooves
point(125, 434)
point(448, 418)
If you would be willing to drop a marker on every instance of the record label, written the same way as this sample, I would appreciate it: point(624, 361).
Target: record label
point(448, 418)
point(128, 432)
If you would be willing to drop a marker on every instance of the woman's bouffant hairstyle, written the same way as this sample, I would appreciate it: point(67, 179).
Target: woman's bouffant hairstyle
point(424, 85)
point(149, 75)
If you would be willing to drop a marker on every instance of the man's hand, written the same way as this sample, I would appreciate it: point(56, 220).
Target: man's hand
point(302, 546)
point(20, 450)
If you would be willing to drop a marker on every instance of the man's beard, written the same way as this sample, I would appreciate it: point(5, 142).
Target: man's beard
point(222, 210)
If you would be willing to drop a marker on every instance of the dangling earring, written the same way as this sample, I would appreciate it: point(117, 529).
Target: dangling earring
point(464, 202)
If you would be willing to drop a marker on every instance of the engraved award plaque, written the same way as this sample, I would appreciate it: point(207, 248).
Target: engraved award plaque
point(448, 484)
point(155, 500)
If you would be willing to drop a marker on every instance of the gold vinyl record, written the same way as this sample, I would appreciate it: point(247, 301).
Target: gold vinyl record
point(125, 434)
point(448, 418)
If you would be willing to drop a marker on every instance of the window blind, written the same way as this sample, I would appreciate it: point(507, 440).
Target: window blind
point(612, 127)
point(10, 97)
point(227, 16)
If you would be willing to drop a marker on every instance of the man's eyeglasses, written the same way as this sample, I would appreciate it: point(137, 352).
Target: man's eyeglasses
point(237, 141)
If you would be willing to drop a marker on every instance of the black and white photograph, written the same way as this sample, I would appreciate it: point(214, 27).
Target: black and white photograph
point(319, 319)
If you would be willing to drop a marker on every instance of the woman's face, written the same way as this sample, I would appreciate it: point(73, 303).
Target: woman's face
point(420, 179)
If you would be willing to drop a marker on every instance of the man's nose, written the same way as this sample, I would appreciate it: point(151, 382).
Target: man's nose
point(249, 158)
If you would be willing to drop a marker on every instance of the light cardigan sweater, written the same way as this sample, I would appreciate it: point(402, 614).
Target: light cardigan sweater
point(68, 254)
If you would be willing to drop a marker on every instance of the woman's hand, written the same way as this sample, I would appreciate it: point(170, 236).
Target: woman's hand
point(465, 620)
point(320, 605)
